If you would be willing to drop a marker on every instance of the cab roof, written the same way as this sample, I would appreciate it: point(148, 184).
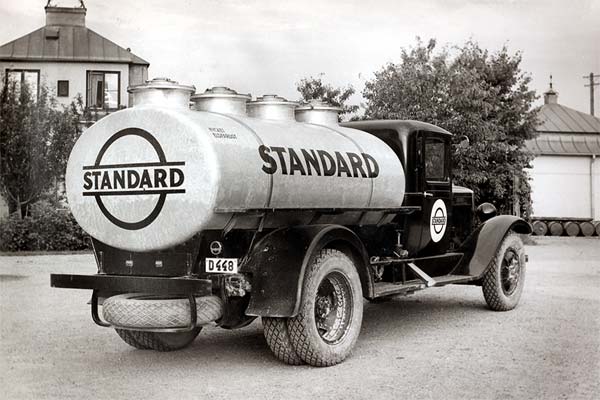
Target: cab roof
point(395, 124)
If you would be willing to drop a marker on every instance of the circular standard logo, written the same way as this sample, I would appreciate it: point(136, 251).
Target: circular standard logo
point(438, 220)
point(154, 177)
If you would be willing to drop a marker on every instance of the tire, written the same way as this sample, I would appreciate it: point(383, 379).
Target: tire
point(328, 322)
point(129, 338)
point(278, 338)
point(171, 341)
point(139, 310)
point(505, 277)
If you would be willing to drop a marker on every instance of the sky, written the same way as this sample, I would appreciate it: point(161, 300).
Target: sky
point(267, 46)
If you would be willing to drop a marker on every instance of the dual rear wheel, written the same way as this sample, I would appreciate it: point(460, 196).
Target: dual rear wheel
point(328, 322)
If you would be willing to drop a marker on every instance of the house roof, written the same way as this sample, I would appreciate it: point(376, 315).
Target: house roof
point(564, 131)
point(67, 43)
point(557, 118)
point(585, 144)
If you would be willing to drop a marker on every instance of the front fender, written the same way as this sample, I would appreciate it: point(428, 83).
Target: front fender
point(482, 245)
point(279, 260)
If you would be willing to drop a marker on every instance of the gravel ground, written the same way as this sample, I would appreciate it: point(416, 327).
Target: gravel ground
point(439, 343)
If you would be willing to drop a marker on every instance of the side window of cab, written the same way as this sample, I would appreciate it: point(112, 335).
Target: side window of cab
point(436, 159)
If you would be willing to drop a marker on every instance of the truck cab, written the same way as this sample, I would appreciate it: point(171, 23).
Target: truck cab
point(442, 212)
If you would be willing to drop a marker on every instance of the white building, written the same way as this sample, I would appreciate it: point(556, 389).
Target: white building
point(565, 178)
point(70, 59)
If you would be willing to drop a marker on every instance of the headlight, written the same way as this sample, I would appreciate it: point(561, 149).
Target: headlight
point(486, 211)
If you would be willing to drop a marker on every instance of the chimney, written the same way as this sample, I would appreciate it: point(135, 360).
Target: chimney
point(70, 16)
point(551, 96)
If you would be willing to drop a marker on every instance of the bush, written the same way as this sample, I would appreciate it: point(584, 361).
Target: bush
point(47, 228)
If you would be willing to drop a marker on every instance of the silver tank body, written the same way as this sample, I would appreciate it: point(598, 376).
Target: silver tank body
point(221, 180)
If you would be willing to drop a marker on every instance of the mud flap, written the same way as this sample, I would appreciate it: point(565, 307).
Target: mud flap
point(278, 264)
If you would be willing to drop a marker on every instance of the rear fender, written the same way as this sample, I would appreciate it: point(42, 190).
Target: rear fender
point(482, 245)
point(279, 260)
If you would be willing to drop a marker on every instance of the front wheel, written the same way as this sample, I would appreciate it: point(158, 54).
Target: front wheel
point(328, 323)
point(504, 279)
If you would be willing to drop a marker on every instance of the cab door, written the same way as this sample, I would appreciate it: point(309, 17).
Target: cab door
point(435, 184)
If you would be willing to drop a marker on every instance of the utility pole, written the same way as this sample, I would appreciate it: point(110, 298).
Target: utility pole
point(591, 77)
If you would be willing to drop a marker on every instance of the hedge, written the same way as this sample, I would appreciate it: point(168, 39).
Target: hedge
point(47, 228)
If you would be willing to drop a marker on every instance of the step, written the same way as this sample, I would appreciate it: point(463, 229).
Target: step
point(389, 288)
point(449, 279)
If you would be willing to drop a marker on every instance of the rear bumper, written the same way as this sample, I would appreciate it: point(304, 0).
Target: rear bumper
point(133, 284)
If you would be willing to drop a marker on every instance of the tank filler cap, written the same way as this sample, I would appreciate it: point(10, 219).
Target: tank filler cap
point(161, 92)
point(272, 106)
point(220, 91)
point(318, 112)
point(221, 99)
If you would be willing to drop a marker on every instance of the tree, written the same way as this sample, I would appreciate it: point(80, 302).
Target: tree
point(469, 92)
point(35, 141)
point(314, 89)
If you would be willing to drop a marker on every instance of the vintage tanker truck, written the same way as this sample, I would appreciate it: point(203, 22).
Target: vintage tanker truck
point(233, 209)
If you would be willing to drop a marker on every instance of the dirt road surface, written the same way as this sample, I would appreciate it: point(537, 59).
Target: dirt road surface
point(441, 343)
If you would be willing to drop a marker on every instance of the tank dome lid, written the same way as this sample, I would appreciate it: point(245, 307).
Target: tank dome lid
point(273, 107)
point(221, 92)
point(318, 105)
point(161, 83)
point(221, 99)
point(162, 92)
point(318, 112)
point(273, 99)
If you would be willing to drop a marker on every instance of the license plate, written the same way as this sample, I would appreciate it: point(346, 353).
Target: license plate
point(221, 265)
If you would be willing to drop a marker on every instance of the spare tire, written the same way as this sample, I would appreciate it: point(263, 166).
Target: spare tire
point(168, 341)
point(143, 310)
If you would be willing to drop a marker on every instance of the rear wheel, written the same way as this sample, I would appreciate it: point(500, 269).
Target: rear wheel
point(278, 338)
point(328, 323)
point(503, 281)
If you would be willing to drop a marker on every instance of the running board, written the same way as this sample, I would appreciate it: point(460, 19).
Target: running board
point(389, 288)
point(438, 280)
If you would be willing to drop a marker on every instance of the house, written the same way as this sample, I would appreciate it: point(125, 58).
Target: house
point(565, 177)
point(71, 59)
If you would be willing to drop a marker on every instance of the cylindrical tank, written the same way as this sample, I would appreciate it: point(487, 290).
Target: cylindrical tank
point(273, 107)
point(221, 99)
point(318, 112)
point(151, 176)
point(161, 92)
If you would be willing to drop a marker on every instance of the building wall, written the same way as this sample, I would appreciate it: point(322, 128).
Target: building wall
point(596, 187)
point(562, 187)
point(138, 74)
point(75, 73)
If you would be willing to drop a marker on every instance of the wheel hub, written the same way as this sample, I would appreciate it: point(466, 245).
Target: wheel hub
point(510, 272)
point(333, 307)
